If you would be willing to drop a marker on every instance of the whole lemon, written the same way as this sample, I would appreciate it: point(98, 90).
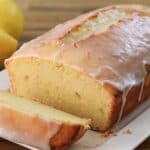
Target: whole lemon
point(8, 45)
point(11, 18)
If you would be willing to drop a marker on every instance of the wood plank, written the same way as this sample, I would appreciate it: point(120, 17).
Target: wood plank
point(6, 145)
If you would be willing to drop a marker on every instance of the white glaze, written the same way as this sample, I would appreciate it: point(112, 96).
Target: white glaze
point(143, 81)
point(124, 99)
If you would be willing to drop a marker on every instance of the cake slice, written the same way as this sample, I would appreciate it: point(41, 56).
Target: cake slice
point(28, 122)
point(94, 66)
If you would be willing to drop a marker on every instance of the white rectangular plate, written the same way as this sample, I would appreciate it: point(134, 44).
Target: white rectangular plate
point(138, 122)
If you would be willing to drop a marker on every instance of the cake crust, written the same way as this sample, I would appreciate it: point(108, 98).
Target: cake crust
point(69, 134)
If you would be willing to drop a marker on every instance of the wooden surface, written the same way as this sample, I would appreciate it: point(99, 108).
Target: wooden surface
point(41, 15)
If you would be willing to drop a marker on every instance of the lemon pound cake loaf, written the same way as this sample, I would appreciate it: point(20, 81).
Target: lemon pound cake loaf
point(94, 66)
point(38, 125)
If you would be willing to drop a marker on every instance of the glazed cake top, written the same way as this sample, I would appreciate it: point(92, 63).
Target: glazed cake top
point(111, 45)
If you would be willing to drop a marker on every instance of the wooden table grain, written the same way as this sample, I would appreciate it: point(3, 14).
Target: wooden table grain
point(42, 15)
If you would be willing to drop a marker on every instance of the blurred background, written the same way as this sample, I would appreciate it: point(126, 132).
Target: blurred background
point(42, 15)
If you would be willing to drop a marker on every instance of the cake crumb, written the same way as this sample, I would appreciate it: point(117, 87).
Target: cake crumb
point(75, 45)
point(77, 94)
point(128, 131)
point(109, 133)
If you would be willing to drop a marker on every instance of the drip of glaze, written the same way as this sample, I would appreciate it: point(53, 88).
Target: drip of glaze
point(143, 82)
point(126, 91)
point(141, 91)
point(124, 99)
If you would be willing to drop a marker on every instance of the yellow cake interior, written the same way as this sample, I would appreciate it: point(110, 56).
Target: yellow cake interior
point(33, 108)
point(62, 87)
